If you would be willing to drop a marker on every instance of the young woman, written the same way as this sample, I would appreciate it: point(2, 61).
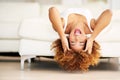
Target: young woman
point(73, 25)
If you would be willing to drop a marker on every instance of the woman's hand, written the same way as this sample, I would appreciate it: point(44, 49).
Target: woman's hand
point(65, 44)
point(89, 45)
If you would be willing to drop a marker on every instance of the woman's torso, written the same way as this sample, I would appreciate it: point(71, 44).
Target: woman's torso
point(75, 16)
point(75, 19)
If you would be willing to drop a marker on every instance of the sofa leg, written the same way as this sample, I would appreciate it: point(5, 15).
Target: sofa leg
point(29, 60)
point(22, 64)
point(118, 63)
point(109, 60)
point(23, 58)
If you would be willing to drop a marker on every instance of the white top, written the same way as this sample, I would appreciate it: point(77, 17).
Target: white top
point(80, 11)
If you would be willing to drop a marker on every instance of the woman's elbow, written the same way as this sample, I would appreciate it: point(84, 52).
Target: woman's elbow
point(108, 12)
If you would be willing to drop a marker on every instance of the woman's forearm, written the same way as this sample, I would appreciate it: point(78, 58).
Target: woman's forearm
point(56, 21)
point(101, 23)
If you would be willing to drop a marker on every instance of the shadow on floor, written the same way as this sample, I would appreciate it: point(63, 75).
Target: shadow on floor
point(50, 64)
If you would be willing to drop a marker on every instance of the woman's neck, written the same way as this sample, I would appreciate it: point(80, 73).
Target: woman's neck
point(79, 25)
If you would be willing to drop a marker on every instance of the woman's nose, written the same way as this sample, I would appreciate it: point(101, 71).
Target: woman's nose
point(77, 38)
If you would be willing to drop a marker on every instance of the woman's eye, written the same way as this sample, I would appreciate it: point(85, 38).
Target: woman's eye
point(72, 42)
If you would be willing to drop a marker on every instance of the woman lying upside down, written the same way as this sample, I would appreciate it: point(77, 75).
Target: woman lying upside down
point(75, 50)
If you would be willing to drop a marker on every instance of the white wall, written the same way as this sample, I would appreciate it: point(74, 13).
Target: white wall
point(13, 0)
point(114, 4)
point(69, 2)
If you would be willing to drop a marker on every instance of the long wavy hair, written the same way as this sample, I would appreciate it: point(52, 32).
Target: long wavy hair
point(74, 61)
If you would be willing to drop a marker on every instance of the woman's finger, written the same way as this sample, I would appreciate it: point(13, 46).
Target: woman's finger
point(85, 49)
point(65, 50)
point(89, 51)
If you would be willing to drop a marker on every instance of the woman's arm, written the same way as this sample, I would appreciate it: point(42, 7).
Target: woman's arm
point(57, 23)
point(97, 26)
point(102, 22)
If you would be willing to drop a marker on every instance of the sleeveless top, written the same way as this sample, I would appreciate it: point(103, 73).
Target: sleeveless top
point(80, 11)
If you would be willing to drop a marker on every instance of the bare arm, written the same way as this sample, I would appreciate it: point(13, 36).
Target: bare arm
point(102, 22)
point(57, 23)
point(97, 27)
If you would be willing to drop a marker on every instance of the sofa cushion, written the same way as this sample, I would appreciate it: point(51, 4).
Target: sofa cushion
point(9, 29)
point(37, 28)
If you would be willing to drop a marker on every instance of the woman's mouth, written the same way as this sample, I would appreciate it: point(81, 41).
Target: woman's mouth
point(77, 32)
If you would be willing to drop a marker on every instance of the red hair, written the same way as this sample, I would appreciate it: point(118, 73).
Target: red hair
point(73, 61)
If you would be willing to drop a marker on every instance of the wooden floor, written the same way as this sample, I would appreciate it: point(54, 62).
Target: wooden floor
point(47, 69)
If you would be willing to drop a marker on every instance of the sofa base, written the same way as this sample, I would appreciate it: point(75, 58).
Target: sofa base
point(32, 48)
point(9, 45)
point(114, 60)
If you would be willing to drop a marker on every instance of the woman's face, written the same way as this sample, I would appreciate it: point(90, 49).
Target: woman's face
point(77, 40)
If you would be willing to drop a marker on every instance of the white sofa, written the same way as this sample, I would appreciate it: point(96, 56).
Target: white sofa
point(37, 34)
point(11, 15)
